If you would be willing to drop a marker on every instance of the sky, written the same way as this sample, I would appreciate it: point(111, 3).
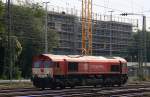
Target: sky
point(101, 7)
point(105, 6)
point(118, 6)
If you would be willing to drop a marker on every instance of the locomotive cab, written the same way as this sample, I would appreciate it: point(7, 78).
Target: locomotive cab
point(123, 70)
point(42, 68)
point(42, 71)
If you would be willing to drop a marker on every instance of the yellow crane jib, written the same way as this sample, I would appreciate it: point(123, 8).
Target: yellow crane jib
point(87, 27)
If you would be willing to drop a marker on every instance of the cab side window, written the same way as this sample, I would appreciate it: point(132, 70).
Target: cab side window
point(115, 68)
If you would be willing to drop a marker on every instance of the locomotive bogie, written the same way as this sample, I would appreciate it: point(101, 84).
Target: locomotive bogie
point(80, 80)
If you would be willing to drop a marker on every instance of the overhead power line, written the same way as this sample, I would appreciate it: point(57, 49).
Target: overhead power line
point(102, 6)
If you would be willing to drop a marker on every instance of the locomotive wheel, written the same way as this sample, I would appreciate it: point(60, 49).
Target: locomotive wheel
point(43, 88)
point(61, 84)
point(44, 82)
point(119, 84)
point(72, 86)
point(53, 87)
point(53, 84)
point(62, 87)
point(95, 85)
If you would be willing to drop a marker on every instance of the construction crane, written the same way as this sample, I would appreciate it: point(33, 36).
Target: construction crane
point(87, 27)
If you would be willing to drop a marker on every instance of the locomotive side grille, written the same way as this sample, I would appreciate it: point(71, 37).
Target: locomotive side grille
point(115, 68)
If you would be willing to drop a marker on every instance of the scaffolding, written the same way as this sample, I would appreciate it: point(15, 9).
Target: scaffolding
point(69, 28)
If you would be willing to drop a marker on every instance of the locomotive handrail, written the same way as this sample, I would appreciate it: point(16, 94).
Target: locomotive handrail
point(75, 56)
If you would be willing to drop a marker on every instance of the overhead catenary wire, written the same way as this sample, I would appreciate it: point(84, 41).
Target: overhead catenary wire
point(106, 7)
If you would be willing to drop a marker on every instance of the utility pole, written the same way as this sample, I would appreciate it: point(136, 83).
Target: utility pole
point(111, 14)
point(46, 18)
point(140, 56)
point(144, 45)
point(142, 52)
point(9, 31)
point(110, 38)
point(8, 53)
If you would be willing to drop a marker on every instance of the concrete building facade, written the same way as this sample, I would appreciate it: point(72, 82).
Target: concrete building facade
point(105, 34)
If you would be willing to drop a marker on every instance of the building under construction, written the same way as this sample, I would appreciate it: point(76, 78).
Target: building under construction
point(110, 37)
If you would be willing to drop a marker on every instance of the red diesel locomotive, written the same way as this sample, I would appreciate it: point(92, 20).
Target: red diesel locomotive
point(51, 71)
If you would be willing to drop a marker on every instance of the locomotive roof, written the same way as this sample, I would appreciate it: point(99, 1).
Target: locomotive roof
point(79, 58)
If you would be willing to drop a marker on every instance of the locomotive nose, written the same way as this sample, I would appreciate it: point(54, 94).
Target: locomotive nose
point(42, 68)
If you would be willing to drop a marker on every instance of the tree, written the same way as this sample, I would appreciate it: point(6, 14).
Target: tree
point(28, 27)
point(1, 39)
point(1, 14)
point(26, 38)
point(134, 47)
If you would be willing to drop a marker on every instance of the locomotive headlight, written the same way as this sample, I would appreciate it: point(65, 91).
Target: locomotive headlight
point(48, 75)
point(35, 75)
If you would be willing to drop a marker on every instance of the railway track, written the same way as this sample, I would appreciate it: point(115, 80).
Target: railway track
point(126, 91)
point(7, 91)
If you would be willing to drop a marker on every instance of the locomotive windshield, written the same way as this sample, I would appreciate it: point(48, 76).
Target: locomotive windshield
point(115, 68)
point(47, 64)
point(44, 64)
point(37, 64)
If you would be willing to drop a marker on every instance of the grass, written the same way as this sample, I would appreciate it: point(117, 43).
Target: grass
point(16, 85)
point(136, 80)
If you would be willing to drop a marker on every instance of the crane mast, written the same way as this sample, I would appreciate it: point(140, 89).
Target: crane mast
point(87, 27)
